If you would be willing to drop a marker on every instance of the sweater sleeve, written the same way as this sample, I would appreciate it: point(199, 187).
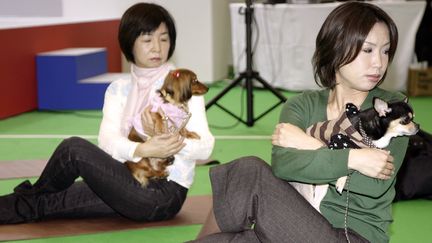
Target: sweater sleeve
point(307, 166)
point(198, 148)
point(375, 188)
point(110, 138)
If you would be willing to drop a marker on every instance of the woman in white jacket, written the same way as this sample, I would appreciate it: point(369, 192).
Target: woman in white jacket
point(147, 38)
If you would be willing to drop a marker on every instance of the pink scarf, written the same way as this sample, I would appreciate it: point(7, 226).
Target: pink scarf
point(143, 81)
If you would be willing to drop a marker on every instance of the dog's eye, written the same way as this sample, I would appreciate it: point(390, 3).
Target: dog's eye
point(405, 120)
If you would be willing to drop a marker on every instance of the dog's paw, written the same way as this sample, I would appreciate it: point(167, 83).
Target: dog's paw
point(190, 135)
point(340, 184)
point(143, 180)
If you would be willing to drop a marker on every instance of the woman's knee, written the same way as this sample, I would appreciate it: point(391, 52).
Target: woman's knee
point(72, 142)
point(251, 163)
point(79, 146)
point(76, 149)
point(249, 168)
point(76, 141)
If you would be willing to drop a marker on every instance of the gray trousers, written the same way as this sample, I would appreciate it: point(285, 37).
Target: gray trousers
point(252, 205)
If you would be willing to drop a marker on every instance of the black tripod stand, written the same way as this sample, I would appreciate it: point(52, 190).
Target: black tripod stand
point(248, 76)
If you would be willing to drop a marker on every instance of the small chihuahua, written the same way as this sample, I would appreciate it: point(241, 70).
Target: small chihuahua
point(373, 127)
point(170, 113)
point(384, 121)
point(376, 127)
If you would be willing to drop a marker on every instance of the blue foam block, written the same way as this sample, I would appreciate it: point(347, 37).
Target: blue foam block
point(58, 73)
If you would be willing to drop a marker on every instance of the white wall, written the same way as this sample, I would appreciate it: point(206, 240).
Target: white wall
point(88, 9)
point(222, 52)
point(203, 39)
point(30, 8)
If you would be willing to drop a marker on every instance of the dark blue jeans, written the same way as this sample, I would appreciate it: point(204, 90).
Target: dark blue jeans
point(107, 188)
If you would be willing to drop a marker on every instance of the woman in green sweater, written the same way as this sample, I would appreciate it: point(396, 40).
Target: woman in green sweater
point(253, 202)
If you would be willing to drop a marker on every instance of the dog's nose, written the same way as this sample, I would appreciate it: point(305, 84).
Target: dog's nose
point(170, 160)
point(199, 88)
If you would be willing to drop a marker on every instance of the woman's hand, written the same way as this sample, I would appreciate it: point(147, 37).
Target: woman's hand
point(372, 162)
point(147, 122)
point(160, 146)
point(290, 136)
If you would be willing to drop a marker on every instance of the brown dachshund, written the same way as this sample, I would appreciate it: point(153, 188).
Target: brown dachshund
point(179, 86)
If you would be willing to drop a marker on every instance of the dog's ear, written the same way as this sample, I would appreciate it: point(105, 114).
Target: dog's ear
point(169, 82)
point(405, 100)
point(183, 92)
point(381, 106)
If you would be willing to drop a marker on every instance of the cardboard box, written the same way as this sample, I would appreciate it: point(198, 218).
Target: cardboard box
point(420, 82)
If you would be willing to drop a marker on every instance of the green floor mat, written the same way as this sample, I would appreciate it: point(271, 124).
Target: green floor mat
point(234, 140)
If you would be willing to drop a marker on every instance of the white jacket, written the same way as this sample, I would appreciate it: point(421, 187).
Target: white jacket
point(120, 148)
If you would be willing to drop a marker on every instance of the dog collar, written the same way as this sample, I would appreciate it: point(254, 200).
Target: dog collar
point(168, 98)
point(366, 139)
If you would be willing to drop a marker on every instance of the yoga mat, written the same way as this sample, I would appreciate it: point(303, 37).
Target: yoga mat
point(21, 168)
point(33, 168)
point(194, 211)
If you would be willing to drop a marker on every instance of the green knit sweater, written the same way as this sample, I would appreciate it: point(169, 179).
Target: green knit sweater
point(370, 212)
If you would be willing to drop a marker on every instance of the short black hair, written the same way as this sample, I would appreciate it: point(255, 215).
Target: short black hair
point(144, 18)
point(341, 38)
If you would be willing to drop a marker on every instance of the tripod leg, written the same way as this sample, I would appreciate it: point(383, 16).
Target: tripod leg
point(224, 91)
point(249, 74)
point(269, 87)
point(249, 101)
